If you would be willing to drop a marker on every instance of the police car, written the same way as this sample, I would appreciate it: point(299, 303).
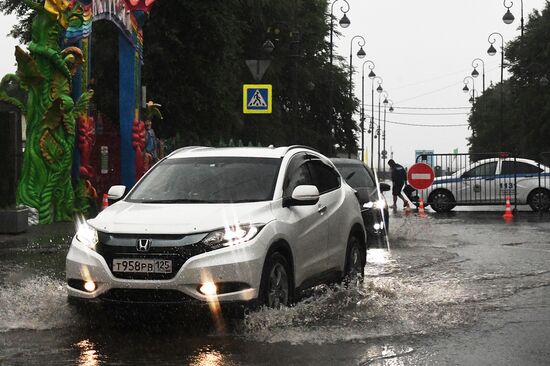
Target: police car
point(490, 182)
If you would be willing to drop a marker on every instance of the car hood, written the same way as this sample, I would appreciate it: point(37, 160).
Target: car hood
point(151, 218)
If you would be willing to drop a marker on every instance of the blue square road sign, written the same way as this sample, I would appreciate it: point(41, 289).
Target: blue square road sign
point(257, 99)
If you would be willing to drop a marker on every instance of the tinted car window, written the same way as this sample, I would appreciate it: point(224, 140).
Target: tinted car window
point(510, 167)
point(209, 180)
point(481, 170)
point(324, 176)
point(356, 175)
point(297, 174)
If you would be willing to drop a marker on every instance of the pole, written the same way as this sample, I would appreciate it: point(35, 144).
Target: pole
point(363, 116)
point(384, 145)
point(501, 93)
point(483, 78)
point(372, 127)
point(378, 134)
point(475, 65)
point(522, 20)
point(492, 52)
point(331, 36)
point(350, 69)
point(380, 81)
point(361, 42)
point(331, 76)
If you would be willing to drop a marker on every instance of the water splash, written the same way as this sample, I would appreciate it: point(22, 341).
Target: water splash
point(382, 307)
point(38, 303)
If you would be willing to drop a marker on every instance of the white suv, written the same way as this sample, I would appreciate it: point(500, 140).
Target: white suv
point(223, 224)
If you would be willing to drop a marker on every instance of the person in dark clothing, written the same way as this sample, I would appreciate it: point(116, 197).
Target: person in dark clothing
point(398, 178)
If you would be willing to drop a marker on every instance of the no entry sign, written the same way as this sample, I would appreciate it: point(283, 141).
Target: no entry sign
point(420, 176)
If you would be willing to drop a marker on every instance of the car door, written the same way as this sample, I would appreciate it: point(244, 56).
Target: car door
point(330, 205)
point(515, 176)
point(479, 184)
point(305, 226)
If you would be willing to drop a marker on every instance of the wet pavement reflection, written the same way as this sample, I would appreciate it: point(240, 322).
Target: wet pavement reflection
point(460, 288)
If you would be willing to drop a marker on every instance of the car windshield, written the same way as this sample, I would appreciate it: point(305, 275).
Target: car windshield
point(209, 180)
point(356, 175)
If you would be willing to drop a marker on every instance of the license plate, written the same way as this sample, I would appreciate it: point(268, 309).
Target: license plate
point(142, 265)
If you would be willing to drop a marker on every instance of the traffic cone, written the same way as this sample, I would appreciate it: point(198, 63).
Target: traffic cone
point(105, 201)
point(508, 214)
point(421, 211)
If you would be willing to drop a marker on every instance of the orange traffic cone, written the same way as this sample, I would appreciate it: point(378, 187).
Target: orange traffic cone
point(421, 211)
point(105, 201)
point(508, 214)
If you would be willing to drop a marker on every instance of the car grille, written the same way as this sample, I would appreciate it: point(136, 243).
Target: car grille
point(177, 248)
point(147, 296)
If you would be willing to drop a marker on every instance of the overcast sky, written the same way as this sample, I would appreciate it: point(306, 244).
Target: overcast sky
point(422, 49)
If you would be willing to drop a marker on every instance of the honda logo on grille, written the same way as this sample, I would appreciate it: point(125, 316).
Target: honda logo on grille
point(143, 245)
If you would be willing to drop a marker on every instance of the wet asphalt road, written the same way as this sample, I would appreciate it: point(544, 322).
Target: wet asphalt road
point(464, 288)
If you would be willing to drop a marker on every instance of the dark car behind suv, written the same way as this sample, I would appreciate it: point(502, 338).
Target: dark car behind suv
point(374, 208)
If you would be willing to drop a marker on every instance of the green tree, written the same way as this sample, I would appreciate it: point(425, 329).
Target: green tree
point(525, 129)
point(194, 65)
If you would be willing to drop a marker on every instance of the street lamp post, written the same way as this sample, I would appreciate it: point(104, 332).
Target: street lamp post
point(379, 80)
point(379, 90)
point(371, 75)
point(473, 95)
point(508, 17)
point(492, 51)
point(344, 23)
point(475, 73)
point(361, 54)
point(466, 81)
point(385, 156)
point(386, 101)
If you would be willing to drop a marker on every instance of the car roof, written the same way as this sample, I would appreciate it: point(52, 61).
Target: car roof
point(256, 152)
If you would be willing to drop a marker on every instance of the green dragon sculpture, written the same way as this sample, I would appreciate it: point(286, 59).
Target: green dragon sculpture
point(46, 74)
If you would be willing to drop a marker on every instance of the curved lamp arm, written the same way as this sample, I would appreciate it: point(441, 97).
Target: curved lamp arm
point(371, 68)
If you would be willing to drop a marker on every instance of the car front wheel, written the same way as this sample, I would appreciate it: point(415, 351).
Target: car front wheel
point(276, 284)
point(355, 260)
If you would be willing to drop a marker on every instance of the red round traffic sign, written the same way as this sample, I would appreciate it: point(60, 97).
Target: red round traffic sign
point(420, 176)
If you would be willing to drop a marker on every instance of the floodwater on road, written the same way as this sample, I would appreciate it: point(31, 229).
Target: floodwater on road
point(460, 288)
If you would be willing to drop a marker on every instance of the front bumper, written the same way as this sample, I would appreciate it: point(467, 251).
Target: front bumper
point(240, 265)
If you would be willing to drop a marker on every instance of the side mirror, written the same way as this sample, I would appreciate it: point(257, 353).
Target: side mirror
point(384, 187)
point(116, 193)
point(304, 195)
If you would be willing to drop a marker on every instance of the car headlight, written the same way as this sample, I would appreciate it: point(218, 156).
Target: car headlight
point(380, 204)
point(230, 236)
point(86, 235)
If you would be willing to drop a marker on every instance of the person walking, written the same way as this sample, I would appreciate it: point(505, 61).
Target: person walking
point(398, 178)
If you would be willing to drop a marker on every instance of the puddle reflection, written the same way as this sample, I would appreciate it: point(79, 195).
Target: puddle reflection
point(88, 353)
point(378, 256)
point(386, 355)
point(208, 358)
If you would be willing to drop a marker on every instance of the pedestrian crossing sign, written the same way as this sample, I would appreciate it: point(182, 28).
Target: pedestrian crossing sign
point(257, 98)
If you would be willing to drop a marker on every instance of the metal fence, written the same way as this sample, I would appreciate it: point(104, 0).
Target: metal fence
point(488, 179)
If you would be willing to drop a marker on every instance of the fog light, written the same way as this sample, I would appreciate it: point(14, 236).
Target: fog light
point(209, 289)
point(90, 286)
